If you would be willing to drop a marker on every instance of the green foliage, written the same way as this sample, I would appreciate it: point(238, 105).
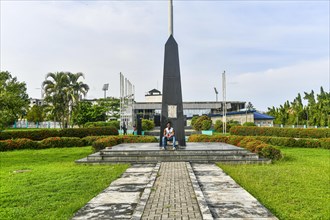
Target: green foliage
point(60, 142)
point(35, 114)
point(193, 120)
point(103, 110)
point(18, 144)
point(251, 143)
point(300, 182)
point(219, 125)
point(14, 100)
point(102, 124)
point(249, 124)
point(202, 123)
point(54, 186)
point(102, 143)
point(62, 93)
point(105, 142)
point(281, 132)
point(147, 125)
point(41, 134)
point(315, 113)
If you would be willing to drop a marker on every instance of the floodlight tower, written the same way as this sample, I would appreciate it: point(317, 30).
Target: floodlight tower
point(216, 94)
point(105, 88)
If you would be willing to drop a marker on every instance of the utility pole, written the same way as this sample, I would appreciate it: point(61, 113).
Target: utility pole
point(224, 108)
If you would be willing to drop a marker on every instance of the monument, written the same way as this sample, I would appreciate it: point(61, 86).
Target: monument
point(172, 108)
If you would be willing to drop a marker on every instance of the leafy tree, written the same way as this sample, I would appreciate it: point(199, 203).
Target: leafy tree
point(200, 123)
point(147, 125)
point(62, 93)
point(315, 113)
point(14, 100)
point(102, 110)
point(35, 114)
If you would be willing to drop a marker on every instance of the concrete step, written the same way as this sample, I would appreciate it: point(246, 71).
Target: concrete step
point(152, 153)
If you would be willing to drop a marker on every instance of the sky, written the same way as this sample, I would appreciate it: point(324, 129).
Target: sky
point(270, 50)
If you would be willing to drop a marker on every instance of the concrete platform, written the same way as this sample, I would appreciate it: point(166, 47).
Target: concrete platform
point(174, 190)
point(193, 152)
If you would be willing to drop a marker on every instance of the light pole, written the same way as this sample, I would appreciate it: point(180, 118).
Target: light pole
point(216, 94)
point(105, 88)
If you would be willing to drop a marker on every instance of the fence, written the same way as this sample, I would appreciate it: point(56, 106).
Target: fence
point(27, 124)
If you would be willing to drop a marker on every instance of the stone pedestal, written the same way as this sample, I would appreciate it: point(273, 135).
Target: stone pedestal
point(172, 109)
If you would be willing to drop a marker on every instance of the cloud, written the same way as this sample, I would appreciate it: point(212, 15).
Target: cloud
point(273, 87)
point(103, 38)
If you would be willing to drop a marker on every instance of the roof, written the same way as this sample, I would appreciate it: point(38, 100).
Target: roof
point(153, 91)
point(260, 116)
point(256, 115)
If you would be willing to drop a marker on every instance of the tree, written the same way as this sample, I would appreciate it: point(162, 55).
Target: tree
point(35, 114)
point(14, 100)
point(315, 113)
point(62, 93)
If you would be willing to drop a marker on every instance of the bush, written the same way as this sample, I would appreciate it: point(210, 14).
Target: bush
point(41, 134)
point(249, 124)
point(18, 144)
point(60, 142)
point(325, 143)
point(90, 139)
point(281, 132)
point(250, 143)
point(137, 139)
point(102, 143)
point(271, 153)
point(193, 120)
point(202, 123)
point(147, 125)
point(218, 126)
point(115, 124)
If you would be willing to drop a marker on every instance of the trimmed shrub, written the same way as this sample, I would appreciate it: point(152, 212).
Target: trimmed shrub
point(90, 139)
point(193, 120)
point(137, 139)
point(38, 135)
point(147, 125)
point(249, 124)
point(115, 124)
point(61, 142)
point(200, 123)
point(18, 144)
point(250, 143)
point(271, 153)
point(102, 143)
point(281, 132)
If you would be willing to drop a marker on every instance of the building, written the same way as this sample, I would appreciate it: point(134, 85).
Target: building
point(151, 108)
point(254, 116)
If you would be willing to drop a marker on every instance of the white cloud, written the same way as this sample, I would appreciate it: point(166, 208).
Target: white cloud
point(103, 38)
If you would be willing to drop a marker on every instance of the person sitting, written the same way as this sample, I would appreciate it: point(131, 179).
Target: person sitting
point(168, 136)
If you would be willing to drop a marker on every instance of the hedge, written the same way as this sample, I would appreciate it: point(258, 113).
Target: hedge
point(281, 132)
point(104, 142)
point(250, 143)
point(41, 134)
point(98, 142)
point(102, 124)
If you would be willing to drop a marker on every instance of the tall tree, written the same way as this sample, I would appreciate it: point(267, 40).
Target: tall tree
point(14, 100)
point(315, 113)
point(62, 92)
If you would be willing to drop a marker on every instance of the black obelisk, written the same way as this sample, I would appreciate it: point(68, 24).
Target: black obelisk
point(172, 108)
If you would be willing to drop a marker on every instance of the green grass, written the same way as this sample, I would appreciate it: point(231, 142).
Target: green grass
point(55, 187)
point(297, 187)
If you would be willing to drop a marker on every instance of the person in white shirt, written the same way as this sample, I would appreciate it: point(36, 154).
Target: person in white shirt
point(168, 135)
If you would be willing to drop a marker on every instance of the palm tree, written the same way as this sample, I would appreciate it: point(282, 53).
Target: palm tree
point(62, 91)
point(75, 90)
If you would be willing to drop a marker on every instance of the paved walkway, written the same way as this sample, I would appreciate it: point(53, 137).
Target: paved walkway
point(173, 195)
point(174, 190)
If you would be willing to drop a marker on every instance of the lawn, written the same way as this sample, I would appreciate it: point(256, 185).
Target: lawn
point(297, 187)
point(53, 186)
